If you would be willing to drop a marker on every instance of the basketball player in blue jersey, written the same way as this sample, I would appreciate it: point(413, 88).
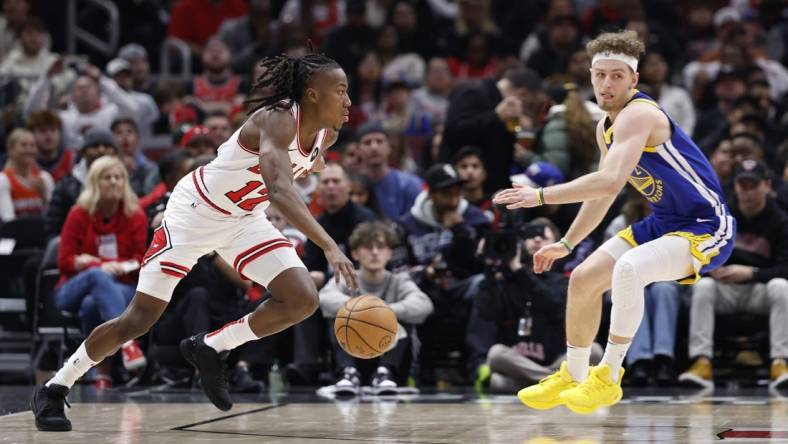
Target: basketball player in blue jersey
point(689, 232)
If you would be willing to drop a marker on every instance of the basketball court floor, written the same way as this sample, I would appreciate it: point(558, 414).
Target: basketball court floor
point(157, 415)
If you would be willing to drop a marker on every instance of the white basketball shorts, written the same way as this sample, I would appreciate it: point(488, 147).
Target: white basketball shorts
point(191, 228)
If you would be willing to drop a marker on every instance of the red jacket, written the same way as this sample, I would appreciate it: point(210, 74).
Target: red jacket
point(196, 21)
point(83, 234)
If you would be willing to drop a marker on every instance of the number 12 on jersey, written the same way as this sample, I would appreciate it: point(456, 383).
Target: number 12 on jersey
point(250, 203)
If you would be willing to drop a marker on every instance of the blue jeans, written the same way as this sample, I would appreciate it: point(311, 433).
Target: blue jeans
point(657, 332)
point(95, 296)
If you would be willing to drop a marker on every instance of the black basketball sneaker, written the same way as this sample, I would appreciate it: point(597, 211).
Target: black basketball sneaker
point(48, 407)
point(210, 364)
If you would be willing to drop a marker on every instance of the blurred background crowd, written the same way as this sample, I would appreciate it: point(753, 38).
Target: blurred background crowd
point(103, 112)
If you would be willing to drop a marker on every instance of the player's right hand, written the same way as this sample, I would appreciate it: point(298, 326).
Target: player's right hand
point(342, 266)
point(544, 258)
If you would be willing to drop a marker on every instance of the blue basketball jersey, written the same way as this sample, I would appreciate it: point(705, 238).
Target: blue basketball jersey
point(684, 194)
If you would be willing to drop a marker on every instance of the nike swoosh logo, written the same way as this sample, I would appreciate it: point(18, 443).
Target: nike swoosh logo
point(702, 220)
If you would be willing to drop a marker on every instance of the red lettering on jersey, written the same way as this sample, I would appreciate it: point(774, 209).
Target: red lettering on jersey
point(255, 169)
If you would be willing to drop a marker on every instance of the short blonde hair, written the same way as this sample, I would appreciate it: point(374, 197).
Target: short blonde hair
point(15, 135)
point(624, 42)
point(90, 196)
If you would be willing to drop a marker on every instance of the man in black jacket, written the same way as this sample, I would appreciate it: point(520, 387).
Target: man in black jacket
point(752, 280)
point(97, 142)
point(486, 114)
point(517, 321)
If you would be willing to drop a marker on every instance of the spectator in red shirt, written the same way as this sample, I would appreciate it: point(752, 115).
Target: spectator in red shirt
point(101, 246)
point(216, 89)
point(195, 21)
point(53, 156)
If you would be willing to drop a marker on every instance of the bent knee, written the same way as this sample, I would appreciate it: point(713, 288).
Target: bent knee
point(777, 289)
point(496, 352)
point(304, 303)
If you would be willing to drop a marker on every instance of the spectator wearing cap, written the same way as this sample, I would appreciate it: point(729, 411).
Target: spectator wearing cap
point(198, 141)
point(441, 234)
point(752, 280)
point(441, 223)
point(546, 174)
point(251, 37)
point(94, 100)
point(146, 112)
point(97, 142)
point(53, 156)
point(25, 189)
point(487, 115)
point(143, 174)
point(395, 190)
point(137, 56)
point(196, 21)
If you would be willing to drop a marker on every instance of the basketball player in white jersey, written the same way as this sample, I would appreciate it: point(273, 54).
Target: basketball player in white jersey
point(220, 207)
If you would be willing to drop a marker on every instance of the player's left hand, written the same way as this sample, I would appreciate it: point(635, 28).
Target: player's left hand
point(519, 196)
point(342, 266)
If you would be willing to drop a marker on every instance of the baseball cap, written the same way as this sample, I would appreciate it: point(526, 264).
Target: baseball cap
point(98, 136)
point(539, 174)
point(751, 169)
point(725, 15)
point(132, 51)
point(117, 65)
point(442, 175)
point(195, 134)
point(369, 128)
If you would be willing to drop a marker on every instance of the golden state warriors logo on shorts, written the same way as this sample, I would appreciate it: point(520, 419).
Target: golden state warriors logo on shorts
point(645, 183)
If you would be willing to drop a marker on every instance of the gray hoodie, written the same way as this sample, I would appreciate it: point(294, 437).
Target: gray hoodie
point(408, 302)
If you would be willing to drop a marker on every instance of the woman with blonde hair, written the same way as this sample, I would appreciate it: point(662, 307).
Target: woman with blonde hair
point(25, 189)
point(101, 246)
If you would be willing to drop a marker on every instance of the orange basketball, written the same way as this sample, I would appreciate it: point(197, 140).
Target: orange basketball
point(365, 327)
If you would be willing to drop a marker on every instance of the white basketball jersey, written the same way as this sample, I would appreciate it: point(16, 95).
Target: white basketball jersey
point(232, 185)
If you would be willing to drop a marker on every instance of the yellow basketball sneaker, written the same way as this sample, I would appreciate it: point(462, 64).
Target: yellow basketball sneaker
point(598, 390)
point(545, 394)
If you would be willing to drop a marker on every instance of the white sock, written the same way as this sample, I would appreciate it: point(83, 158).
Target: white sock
point(232, 335)
point(76, 366)
point(614, 356)
point(577, 361)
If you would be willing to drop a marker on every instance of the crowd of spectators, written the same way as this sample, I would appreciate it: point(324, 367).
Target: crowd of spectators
point(452, 101)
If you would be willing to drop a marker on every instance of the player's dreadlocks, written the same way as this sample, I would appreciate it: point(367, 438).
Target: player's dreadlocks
point(288, 76)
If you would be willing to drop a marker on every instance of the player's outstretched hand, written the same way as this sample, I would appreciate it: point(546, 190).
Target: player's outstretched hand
point(342, 266)
point(544, 258)
point(519, 196)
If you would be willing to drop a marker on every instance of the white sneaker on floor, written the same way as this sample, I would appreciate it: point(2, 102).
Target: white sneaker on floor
point(382, 384)
point(350, 384)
